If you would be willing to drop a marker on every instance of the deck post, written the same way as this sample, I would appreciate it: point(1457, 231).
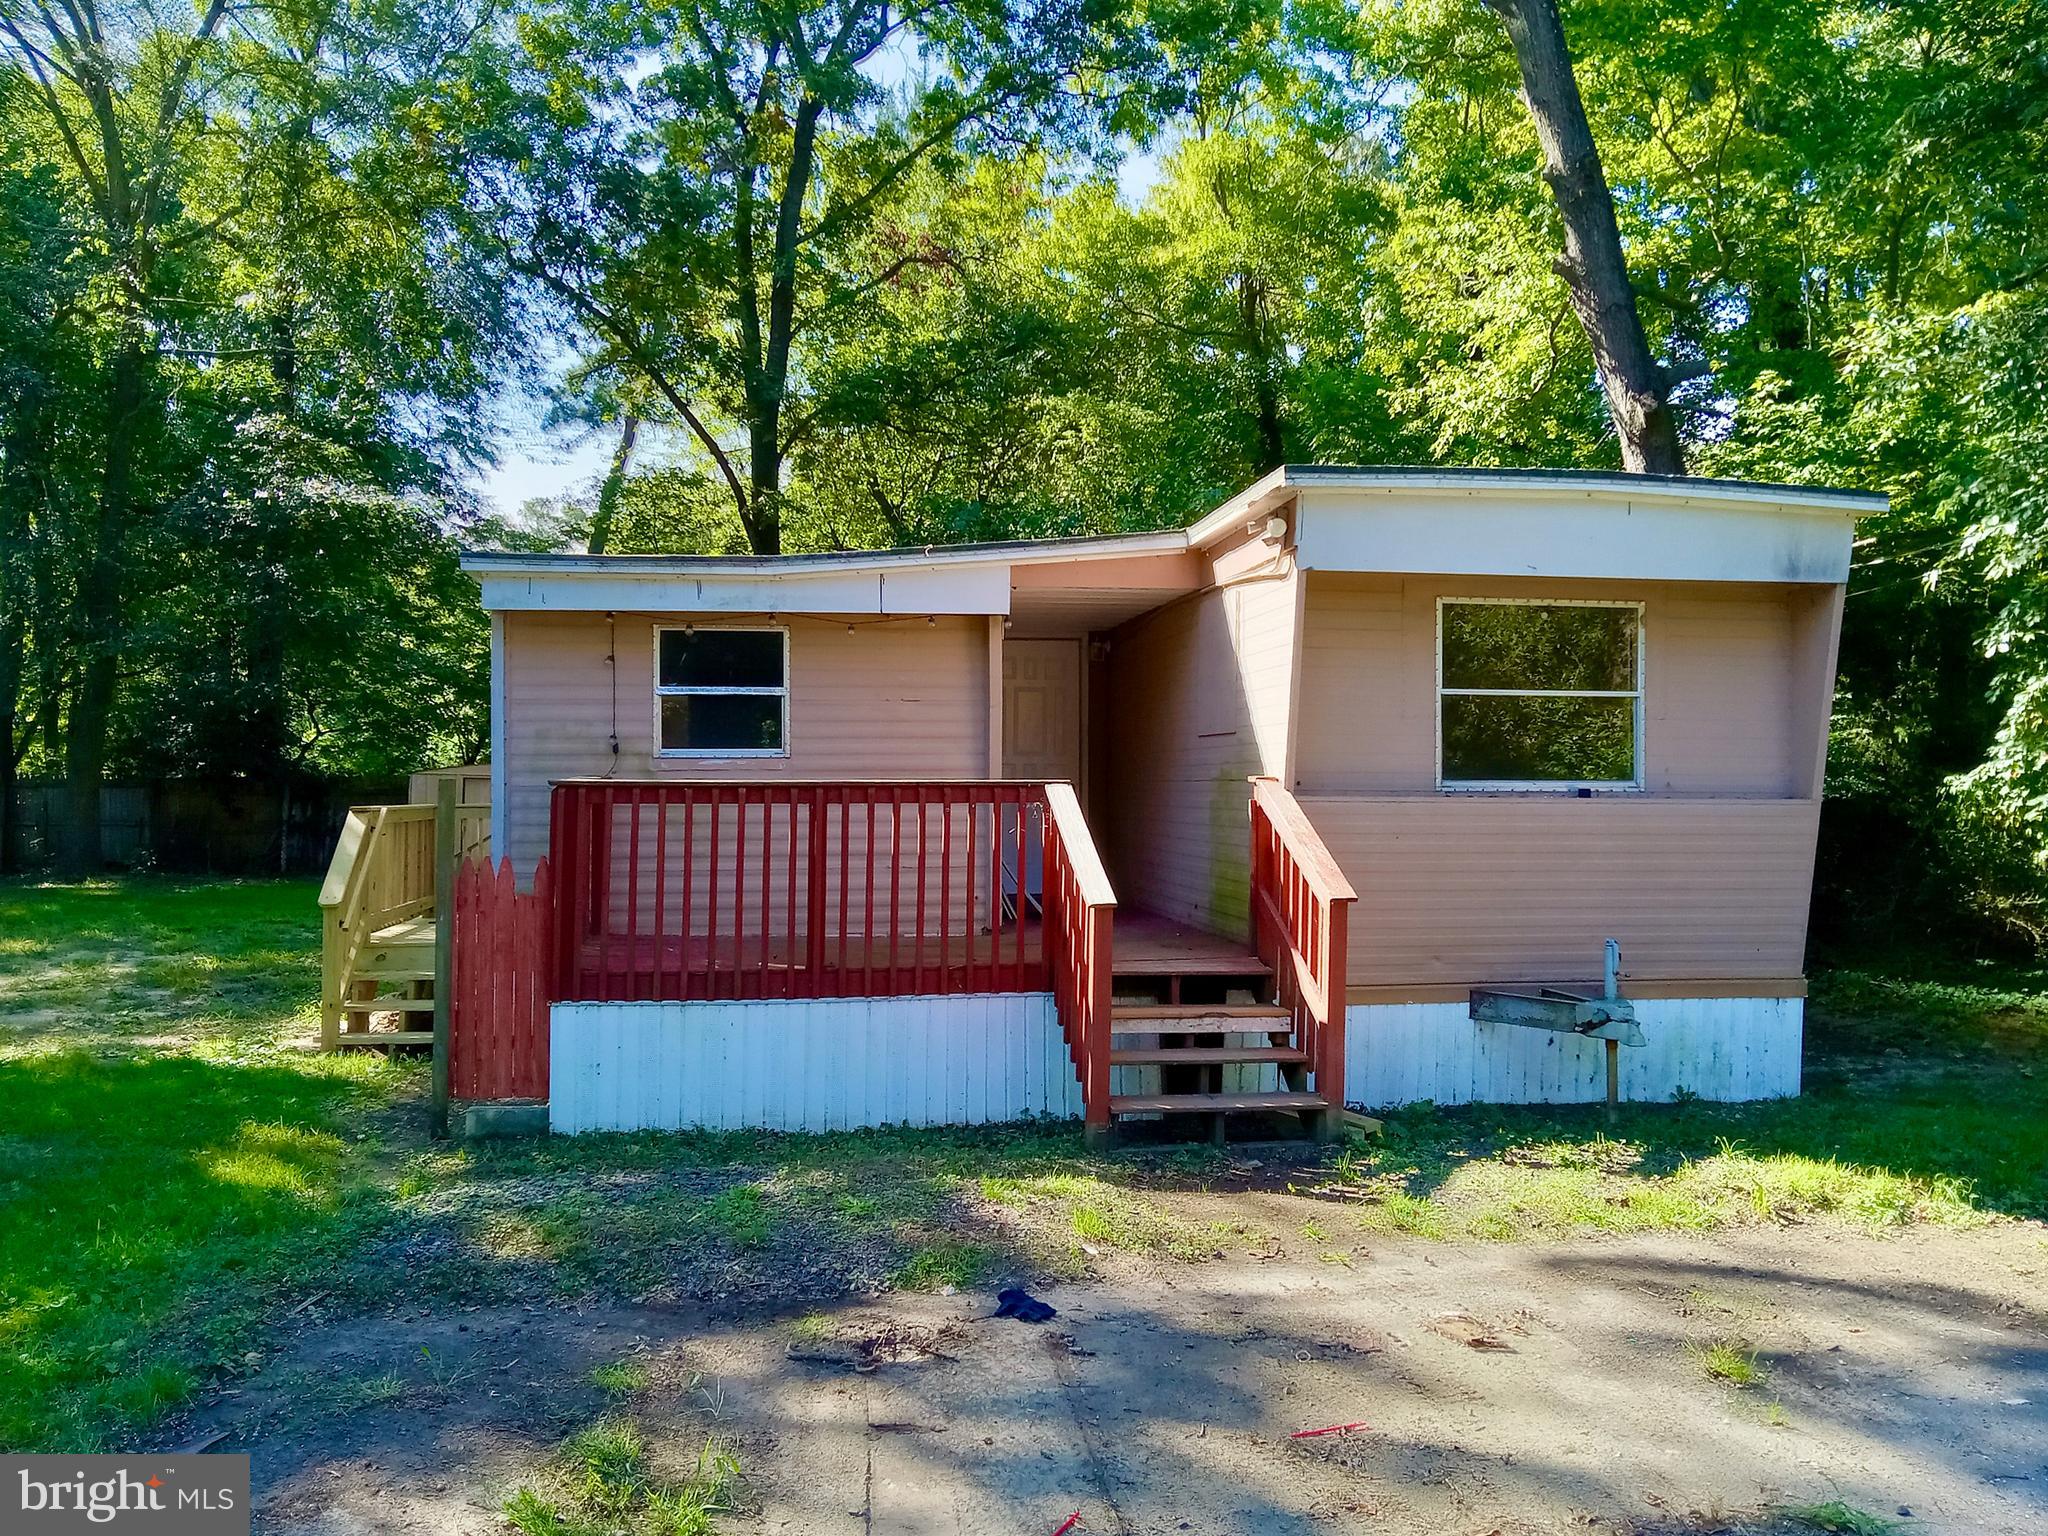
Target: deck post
point(332, 968)
point(1330, 1070)
point(446, 851)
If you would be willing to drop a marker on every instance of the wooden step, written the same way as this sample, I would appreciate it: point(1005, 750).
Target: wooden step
point(1202, 1055)
point(382, 967)
point(1190, 965)
point(1276, 1024)
point(1279, 1034)
point(1171, 1016)
point(1210, 1103)
point(414, 930)
point(383, 1037)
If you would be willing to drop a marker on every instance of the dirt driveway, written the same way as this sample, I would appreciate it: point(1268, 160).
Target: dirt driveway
point(1509, 1388)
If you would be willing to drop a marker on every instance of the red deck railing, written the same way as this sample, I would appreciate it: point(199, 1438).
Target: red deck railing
point(1080, 909)
point(1301, 922)
point(714, 889)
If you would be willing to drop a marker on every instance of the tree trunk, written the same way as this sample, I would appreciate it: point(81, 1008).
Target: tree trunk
point(265, 736)
point(764, 480)
point(614, 487)
point(10, 834)
point(97, 628)
point(17, 487)
point(1638, 397)
point(768, 385)
point(1272, 452)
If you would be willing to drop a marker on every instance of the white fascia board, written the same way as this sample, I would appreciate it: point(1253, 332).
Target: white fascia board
point(982, 589)
point(498, 782)
point(1525, 486)
point(961, 579)
point(1573, 485)
point(1584, 534)
point(1241, 507)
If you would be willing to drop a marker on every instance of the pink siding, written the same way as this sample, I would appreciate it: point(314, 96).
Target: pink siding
point(1704, 877)
point(1460, 889)
point(1719, 669)
point(1199, 694)
point(893, 700)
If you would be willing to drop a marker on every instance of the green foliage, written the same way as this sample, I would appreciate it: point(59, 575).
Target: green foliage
point(1839, 1519)
point(863, 276)
point(945, 1262)
point(1732, 1361)
point(619, 1378)
point(603, 1484)
point(239, 376)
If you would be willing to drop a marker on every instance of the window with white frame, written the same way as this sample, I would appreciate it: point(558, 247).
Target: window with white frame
point(722, 692)
point(1539, 694)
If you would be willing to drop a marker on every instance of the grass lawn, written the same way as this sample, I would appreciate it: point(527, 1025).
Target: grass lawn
point(172, 1169)
point(1926, 1099)
point(179, 1170)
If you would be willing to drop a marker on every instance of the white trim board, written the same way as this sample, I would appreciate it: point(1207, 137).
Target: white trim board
point(825, 1064)
point(498, 787)
point(935, 589)
point(1596, 536)
point(1727, 1049)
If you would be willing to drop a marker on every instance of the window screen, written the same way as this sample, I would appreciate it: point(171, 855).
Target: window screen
point(1539, 693)
point(722, 692)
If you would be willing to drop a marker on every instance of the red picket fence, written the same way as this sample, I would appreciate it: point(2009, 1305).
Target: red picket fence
point(498, 1011)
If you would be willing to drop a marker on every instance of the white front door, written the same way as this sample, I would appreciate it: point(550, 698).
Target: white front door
point(1042, 710)
point(1041, 727)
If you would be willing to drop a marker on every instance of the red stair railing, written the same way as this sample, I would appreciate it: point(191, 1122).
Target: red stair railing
point(1301, 923)
point(1080, 913)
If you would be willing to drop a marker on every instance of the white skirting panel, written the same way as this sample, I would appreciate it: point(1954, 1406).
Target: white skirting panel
point(1721, 1048)
point(823, 1064)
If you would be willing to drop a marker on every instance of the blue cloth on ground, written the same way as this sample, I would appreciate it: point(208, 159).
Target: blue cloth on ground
point(1023, 1306)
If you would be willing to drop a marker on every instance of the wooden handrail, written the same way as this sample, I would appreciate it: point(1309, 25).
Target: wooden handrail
point(347, 850)
point(382, 872)
point(361, 877)
point(1318, 866)
point(1301, 924)
point(717, 888)
point(1065, 808)
point(1080, 916)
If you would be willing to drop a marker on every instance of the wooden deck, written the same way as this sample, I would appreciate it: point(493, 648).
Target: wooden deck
point(1148, 944)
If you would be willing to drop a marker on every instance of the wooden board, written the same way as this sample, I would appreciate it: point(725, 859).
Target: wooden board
point(1162, 1013)
point(1210, 1103)
point(1202, 1055)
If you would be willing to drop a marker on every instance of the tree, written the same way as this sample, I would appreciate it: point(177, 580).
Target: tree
point(690, 182)
point(237, 222)
point(1592, 265)
point(127, 102)
point(41, 387)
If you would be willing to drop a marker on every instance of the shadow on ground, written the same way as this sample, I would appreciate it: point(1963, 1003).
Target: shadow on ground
point(1166, 1397)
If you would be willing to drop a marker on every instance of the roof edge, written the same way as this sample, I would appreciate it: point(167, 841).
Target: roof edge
point(1004, 552)
point(1289, 479)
